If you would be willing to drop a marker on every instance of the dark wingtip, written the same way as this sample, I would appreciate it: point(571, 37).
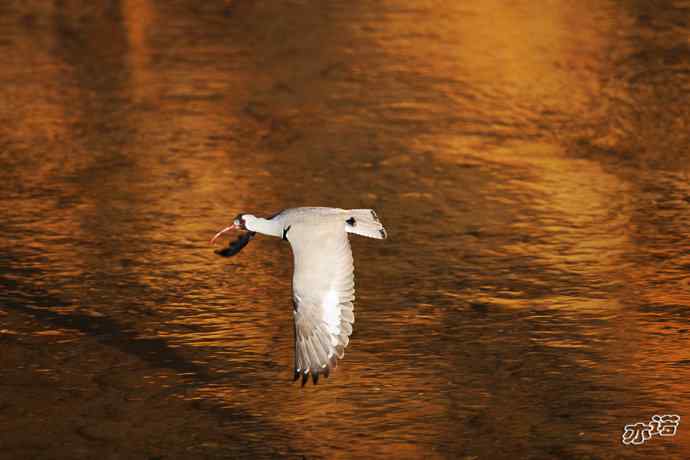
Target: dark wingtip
point(314, 375)
point(373, 214)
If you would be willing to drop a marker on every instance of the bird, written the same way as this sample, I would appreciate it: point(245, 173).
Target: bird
point(323, 288)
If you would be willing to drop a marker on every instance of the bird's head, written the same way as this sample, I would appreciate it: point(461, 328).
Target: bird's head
point(244, 222)
point(241, 222)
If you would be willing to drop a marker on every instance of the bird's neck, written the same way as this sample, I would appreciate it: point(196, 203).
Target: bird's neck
point(265, 226)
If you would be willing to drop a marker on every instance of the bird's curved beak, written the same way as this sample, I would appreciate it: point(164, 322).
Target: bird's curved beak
point(225, 230)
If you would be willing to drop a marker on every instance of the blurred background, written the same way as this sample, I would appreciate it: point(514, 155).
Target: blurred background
point(530, 161)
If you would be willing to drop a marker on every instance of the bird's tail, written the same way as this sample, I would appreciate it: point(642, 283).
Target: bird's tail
point(365, 222)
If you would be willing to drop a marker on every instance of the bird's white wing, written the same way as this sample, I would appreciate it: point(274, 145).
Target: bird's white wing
point(323, 295)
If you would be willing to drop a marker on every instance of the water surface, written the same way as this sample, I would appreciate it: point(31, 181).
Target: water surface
point(529, 162)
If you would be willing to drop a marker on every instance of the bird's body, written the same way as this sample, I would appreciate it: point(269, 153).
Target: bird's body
point(323, 278)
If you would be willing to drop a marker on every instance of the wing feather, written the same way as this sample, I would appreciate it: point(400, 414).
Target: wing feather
point(323, 292)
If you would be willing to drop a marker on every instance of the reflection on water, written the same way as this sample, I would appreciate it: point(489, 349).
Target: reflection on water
point(529, 161)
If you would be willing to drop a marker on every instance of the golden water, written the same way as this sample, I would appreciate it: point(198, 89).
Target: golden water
point(529, 160)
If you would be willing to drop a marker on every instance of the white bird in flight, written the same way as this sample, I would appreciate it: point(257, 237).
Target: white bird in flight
point(323, 284)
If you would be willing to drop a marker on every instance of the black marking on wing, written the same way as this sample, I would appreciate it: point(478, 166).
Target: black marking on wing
point(315, 374)
point(285, 232)
point(236, 246)
point(326, 371)
point(351, 221)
